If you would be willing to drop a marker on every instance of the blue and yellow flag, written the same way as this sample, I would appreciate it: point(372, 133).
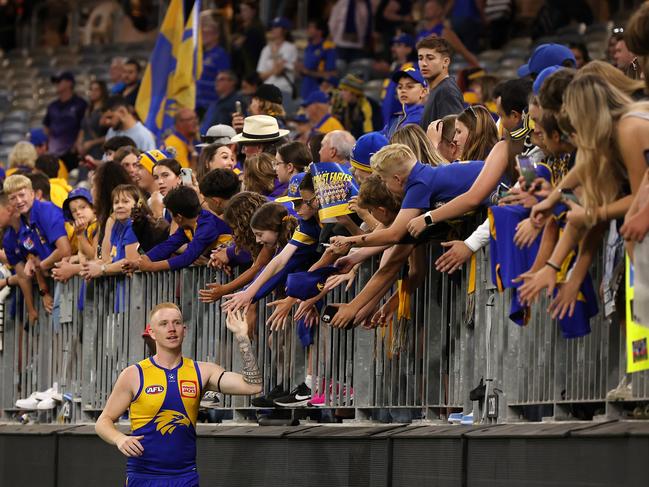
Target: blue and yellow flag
point(169, 82)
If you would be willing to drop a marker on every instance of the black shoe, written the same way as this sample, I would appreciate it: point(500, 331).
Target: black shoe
point(267, 400)
point(298, 397)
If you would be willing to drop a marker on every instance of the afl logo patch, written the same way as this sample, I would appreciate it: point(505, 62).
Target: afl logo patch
point(188, 388)
point(154, 389)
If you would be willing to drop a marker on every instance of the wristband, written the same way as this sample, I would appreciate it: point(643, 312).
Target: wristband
point(553, 265)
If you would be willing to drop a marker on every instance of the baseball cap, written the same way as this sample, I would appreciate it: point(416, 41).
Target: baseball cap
point(405, 39)
point(538, 82)
point(282, 22)
point(412, 73)
point(38, 137)
point(217, 134)
point(544, 56)
point(293, 189)
point(269, 93)
point(366, 146)
point(67, 75)
point(149, 158)
point(316, 97)
point(73, 195)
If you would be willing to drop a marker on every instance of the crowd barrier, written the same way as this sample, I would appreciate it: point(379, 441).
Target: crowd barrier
point(425, 366)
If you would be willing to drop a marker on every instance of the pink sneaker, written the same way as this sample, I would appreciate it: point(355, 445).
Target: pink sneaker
point(317, 400)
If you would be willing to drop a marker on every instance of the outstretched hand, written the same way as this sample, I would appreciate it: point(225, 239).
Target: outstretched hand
point(236, 322)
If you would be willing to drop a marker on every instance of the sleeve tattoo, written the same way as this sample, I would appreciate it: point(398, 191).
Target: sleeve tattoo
point(251, 373)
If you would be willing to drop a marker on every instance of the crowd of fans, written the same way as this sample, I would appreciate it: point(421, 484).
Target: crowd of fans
point(558, 156)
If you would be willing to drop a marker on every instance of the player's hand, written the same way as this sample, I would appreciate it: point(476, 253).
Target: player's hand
point(457, 254)
point(416, 226)
point(130, 445)
point(236, 322)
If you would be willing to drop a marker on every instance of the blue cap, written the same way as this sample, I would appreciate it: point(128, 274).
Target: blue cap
point(37, 137)
point(544, 56)
point(282, 22)
point(306, 285)
point(73, 195)
point(412, 73)
point(293, 189)
point(301, 118)
point(538, 82)
point(316, 97)
point(406, 39)
point(366, 146)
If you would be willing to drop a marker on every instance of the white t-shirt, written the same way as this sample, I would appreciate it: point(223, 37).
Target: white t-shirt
point(141, 135)
point(288, 52)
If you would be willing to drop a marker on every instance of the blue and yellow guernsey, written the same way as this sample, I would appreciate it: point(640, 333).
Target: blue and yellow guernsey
point(164, 411)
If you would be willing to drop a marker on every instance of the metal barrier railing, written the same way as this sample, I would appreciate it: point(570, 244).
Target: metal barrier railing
point(442, 354)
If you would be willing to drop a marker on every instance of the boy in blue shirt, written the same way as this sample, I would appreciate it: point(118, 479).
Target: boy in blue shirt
point(411, 92)
point(199, 229)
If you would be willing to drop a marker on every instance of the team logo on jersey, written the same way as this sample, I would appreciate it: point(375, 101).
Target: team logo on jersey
point(28, 243)
point(156, 389)
point(188, 388)
point(167, 420)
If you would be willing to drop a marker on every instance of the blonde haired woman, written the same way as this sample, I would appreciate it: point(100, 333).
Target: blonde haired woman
point(414, 137)
point(22, 156)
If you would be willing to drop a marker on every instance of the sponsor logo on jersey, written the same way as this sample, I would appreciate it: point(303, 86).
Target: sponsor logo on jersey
point(188, 388)
point(155, 389)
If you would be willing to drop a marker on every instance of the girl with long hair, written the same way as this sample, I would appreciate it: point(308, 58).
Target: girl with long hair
point(414, 137)
point(475, 133)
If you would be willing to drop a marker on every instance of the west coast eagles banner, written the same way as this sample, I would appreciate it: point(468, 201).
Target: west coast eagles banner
point(334, 186)
point(637, 336)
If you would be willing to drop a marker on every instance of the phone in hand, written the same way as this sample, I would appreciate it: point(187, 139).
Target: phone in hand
point(186, 176)
point(527, 169)
point(238, 108)
point(503, 190)
point(569, 195)
point(328, 313)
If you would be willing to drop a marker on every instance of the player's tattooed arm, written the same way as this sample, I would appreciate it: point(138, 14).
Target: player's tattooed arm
point(250, 372)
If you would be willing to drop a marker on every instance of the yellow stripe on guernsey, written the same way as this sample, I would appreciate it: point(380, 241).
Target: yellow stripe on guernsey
point(147, 407)
point(302, 237)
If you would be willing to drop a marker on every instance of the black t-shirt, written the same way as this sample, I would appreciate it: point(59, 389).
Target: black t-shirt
point(445, 99)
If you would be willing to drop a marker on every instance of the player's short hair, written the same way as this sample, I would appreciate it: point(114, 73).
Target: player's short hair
point(161, 306)
point(393, 159)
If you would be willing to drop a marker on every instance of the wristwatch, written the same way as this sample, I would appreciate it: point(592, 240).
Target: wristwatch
point(428, 219)
point(103, 269)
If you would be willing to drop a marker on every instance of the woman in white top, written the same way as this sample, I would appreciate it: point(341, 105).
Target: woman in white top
point(276, 64)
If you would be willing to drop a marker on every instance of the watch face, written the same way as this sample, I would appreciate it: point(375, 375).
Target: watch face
point(428, 220)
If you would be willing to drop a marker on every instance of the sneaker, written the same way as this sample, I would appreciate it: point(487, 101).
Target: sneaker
point(298, 397)
point(210, 400)
point(467, 418)
point(267, 400)
point(623, 391)
point(46, 404)
point(49, 393)
point(317, 401)
point(30, 403)
point(455, 418)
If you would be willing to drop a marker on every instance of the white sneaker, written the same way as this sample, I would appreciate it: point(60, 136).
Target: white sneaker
point(49, 393)
point(623, 391)
point(30, 403)
point(46, 404)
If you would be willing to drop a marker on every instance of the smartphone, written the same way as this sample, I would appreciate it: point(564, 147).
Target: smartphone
point(186, 176)
point(238, 108)
point(527, 169)
point(569, 195)
point(328, 313)
point(646, 156)
point(503, 190)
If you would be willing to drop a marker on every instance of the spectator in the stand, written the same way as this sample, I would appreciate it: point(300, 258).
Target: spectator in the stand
point(358, 113)
point(350, 25)
point(92, 134)
point(127, 156)
point(631, 87)
point(249, 86)
point(144, 170)
point(123, 122)
point(318, 109)
point(167, 176)
point(412, 90)
point(215, 156)
point(41, 186)
point(467, 17)
point(261, 133)
point(390, 17)
point(200, 230)
point(276, 64)
point(511, 100)
point(218, 187)
point(319, 58)
point(444, 96)
point(113, 145)
point(544, 56)
point(220, 111)
point(184, 137)
point(119, 242)
point(435, 24)
point(131, 80)
point(403, 46)
point(582, 57)
point(21, 158)
point(442, 135)
point(116, 75)
point(291, 159)
point(62, 121)
point(107, 177)
point(48, 164)
point(475, 133)
point(249, 41)
point(415, 138)
point(259, 176)
point(267, 100)
point(625, 60)
point(359, 159)
point(336, 147)
point(215, 60)
point(301, 127)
